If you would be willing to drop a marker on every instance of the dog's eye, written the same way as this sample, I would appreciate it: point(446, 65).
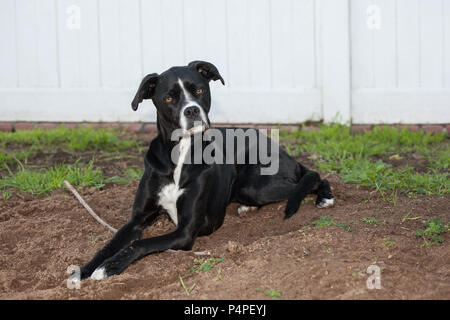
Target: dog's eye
point(169, 99)
point(199, 91)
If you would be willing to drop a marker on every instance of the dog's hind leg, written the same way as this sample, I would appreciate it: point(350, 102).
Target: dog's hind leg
point(324, 195)
point(242, 209)
point(307, 184)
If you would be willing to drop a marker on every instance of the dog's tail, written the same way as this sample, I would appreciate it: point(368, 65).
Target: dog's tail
point(307, 183)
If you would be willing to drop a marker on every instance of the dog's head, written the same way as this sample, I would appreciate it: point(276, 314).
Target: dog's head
point(181, 95)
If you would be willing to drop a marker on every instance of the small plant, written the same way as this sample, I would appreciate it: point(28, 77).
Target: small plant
point(430, 236)
point(275, 294)
point(387, 242)
point(205, 265)
point(188, 291)
point(95, 239)
point(373, 221)
point(327, 221)
point(6, 195)
point(406, 217)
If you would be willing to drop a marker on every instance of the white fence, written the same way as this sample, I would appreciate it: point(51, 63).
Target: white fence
point(284, 61)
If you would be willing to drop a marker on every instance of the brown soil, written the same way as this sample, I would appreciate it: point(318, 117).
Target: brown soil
point(40, 237)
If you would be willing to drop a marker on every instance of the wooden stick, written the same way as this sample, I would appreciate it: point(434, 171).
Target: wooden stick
point(77, 195)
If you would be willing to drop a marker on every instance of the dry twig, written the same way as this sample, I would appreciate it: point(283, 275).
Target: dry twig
point(77, 195)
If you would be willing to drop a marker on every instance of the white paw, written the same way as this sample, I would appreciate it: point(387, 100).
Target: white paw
point(99, 274)
point(241, 209)
point(325, 203)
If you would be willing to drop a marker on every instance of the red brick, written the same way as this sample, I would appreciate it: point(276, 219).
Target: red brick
point(311, 128)
point(149, 128)
point(24, 126)
point(433, 128)
point(413, 127)
point(70, 125)
point(243, 125)
point(108, 125)
point(6, 126)
point(264, 126)
point(221, 125)
point(94, 125)
point(447, 127)
point(133, 127)
point(47, 125)
point(85, 124)
point(290, 127)
point(360, 128)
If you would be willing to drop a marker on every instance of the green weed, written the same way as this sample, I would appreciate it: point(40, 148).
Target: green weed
point(274, 294)
point(373, 221)
point(387, 243)
point(205, 265)
point(431, 233)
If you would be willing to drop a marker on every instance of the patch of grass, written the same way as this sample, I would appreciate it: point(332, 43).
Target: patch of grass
point(352, 157)
point(327, 221)
point(77, 139)
point(205, 265)
point(48, 179)
point(430, 235)
point(24, 144)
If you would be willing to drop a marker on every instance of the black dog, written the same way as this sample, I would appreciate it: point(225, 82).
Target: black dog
point(195, 196)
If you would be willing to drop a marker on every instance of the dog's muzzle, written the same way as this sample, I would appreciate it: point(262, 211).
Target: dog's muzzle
point(194, 120)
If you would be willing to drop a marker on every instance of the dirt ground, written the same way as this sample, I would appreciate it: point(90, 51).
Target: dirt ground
point(40, 237)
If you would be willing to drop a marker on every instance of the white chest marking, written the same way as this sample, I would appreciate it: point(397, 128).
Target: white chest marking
point(170, 193)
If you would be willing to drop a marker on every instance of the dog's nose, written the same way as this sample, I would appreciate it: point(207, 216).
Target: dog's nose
point(191, 112)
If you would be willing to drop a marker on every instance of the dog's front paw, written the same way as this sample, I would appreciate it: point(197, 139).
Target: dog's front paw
point(114, 265)
point(107, 269)
point(99, 274)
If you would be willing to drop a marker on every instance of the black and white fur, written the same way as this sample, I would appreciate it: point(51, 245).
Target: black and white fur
point(195, 196)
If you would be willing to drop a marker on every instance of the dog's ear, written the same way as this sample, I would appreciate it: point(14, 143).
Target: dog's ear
point(208, 70)
point(146, 89)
